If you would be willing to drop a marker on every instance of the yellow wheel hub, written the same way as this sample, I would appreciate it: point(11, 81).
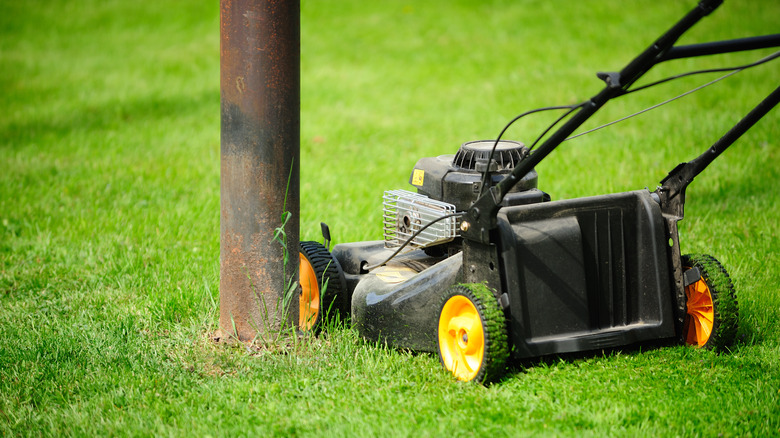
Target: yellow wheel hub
point(309, 301)
point(461, 337)
point(701, 315)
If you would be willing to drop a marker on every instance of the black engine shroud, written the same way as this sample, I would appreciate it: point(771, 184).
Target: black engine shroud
point(457, 179)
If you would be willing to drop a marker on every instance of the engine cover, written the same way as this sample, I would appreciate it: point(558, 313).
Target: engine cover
point(457, 179)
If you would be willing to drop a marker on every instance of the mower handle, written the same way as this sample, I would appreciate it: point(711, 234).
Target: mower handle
point(480, 219)
point(671, 193)
point(720, 47)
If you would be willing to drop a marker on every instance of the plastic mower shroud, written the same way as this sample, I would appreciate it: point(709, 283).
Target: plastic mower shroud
point(496, 270)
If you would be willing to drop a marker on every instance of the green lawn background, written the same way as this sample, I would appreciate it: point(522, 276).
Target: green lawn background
point(109, 214)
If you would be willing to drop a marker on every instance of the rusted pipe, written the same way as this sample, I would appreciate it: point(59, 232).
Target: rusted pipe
point(260, 151)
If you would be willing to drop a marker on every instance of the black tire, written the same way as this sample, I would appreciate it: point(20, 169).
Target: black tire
point(715, 285)
point(473, 343)
point(322, 293)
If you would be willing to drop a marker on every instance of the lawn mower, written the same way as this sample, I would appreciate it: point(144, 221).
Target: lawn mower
point(480, 266)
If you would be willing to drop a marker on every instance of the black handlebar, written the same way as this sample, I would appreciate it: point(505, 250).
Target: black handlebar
point(480, 219)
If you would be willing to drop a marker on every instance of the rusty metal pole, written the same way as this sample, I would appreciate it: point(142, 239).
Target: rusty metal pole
point(259, 176)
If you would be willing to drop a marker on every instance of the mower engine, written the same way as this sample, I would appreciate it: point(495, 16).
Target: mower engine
point(448, 184)
point(457, 179)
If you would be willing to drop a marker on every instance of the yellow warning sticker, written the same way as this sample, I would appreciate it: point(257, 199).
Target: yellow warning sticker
point(417, 177)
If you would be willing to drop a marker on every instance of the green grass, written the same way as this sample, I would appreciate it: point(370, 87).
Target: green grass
point(109, 215)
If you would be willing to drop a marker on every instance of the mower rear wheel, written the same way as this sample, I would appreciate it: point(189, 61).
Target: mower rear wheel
point(472, 334)
point(713, 314)
point(320, 287)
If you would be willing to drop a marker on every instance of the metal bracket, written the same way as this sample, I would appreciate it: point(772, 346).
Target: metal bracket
point(691, 276)
point(503, 301)
point(481, 265)
point(612, 79)
point(325, 234)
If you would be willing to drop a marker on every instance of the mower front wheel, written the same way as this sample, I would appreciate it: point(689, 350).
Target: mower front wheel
point(321, 289)
point(472, 334)
point(713, 314)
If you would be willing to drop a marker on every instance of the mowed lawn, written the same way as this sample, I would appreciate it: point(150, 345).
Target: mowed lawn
point(109, 215)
